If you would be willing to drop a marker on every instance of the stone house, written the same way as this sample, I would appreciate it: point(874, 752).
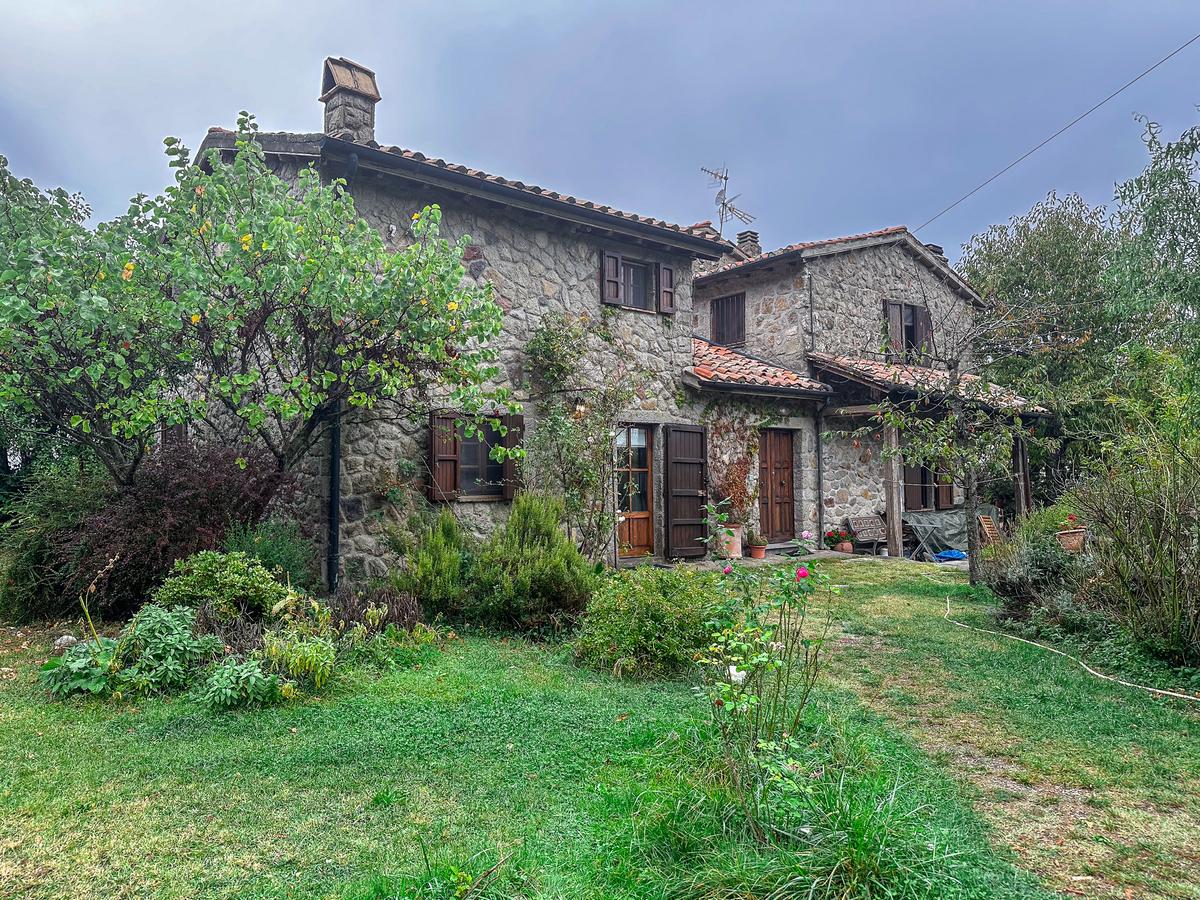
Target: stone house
point(749, 354)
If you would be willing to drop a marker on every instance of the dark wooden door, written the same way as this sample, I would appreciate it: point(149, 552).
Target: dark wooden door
point(776, 497)
point(635, 495)
point(685, 485)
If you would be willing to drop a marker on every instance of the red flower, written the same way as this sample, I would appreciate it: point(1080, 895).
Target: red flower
point(801, 572)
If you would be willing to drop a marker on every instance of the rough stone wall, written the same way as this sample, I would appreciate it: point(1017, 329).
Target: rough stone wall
point(536, 269)
point(849, 290)
point(834, 304)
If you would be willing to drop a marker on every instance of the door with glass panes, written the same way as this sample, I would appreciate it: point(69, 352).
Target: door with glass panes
point(635, 495)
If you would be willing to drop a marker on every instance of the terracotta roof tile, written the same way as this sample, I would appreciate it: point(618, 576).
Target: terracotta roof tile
point(717, 365)
point(700, 229)
point(922, 378)
point(807, 245)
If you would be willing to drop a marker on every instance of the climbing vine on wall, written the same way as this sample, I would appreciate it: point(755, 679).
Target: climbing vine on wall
point(580, 380)
point(733, 436)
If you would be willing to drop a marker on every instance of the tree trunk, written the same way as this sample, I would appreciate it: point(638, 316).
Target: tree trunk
point(971, 497)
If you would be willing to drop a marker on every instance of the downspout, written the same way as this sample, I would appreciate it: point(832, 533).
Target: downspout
point(333, 540)
point(820, 470)
point(333, 550)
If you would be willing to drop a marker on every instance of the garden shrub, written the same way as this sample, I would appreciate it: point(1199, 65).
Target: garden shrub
point(87, 667)
point(68, 522)
point(1029, 571)
point(281, 547)
point(436, 569)
point(183, 501)
point(308, 659)
point(647, 622)
point(43, 514)
point(159, 649)
point(1143, 511)
point(235, 683)
point(529, 574)
point(227, 586)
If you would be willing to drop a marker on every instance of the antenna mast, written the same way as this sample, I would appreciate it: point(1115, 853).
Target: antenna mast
point(725, 208)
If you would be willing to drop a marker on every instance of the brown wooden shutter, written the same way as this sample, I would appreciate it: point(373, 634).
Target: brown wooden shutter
point(612, 289)
point(666, 289)
point(923, 330)
point(512, 438)
point(943, 495)
point(914, 487)
point(685, 485)
point(443, 457)
point(894, 316)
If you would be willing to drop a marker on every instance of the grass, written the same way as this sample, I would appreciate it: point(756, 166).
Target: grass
point(493, 769)
point(1093, 785)
point(948, 762)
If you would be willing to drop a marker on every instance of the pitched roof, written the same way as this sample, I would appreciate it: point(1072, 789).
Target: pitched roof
point(891, 375)
point(701, 236)
point(896, 234)
point(722, 368)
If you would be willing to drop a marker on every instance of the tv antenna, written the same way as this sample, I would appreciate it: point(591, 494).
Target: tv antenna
point(725, 208)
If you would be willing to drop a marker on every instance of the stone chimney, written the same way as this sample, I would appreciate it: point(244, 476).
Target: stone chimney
point(937, 251)
point(747, 242)
point(349, 93)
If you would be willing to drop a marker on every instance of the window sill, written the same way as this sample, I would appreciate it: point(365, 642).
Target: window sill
point(637, 309)
point(480, 498)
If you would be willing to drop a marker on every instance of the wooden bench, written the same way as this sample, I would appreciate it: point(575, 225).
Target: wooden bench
point(868, 530)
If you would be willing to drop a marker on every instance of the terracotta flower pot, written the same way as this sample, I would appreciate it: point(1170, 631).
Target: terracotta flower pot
point(844, 547)
point(1071, 539)
point(731, 544)
point(758, 551)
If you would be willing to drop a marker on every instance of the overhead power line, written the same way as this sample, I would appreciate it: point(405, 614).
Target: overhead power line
point(1066, 127)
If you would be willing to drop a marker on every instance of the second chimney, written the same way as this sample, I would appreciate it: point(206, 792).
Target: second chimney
point(349, 93)
point(747, 242)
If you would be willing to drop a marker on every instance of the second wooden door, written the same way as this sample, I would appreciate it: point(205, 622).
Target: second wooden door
point(776, 498)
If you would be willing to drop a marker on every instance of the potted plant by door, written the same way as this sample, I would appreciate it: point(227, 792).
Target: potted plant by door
point(839, 539)
point(756, 544)
point(1071, 534)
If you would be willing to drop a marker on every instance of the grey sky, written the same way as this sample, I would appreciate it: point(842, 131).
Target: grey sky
point(833, 117)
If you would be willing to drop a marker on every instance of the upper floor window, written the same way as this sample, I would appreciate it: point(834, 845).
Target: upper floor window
point(729, 320)
point(909, 329)
point(636, 283)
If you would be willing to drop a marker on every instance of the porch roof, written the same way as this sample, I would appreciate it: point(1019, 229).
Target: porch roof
point(904, 376)
point(721, 368)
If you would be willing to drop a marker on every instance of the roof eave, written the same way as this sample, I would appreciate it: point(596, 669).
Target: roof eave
point(732, 387)
point(416, 170)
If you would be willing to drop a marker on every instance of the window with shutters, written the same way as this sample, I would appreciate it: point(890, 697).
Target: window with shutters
point(462, 465)
point(729, 320)
point(909, 329)
point(637, 283)
point(919, 488)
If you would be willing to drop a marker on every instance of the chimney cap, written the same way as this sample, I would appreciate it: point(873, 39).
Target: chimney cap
point(747, 235)
point(936, 249)
point(340, 73)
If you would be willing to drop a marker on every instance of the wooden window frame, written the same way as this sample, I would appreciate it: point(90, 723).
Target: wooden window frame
point(904, 338)
point(928, 487)
point(486, 437)
point(714, 318)
point(661, 285)
point(625, 470)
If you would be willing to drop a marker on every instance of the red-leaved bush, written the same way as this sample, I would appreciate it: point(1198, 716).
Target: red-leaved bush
point(183, 500)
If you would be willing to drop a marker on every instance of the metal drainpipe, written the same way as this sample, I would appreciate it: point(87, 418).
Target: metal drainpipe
point(333, 550)
point(820, 472)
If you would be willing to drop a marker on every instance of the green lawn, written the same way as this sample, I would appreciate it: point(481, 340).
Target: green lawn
point(582, 786)
point(1096, 787)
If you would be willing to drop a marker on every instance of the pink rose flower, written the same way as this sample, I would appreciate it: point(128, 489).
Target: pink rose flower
point(801, 572)
point(806, 535)
point(727, 570)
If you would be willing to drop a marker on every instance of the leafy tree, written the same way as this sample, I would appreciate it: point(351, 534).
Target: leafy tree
point(1043, 277)
point(256, 308)
point(87, 353)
